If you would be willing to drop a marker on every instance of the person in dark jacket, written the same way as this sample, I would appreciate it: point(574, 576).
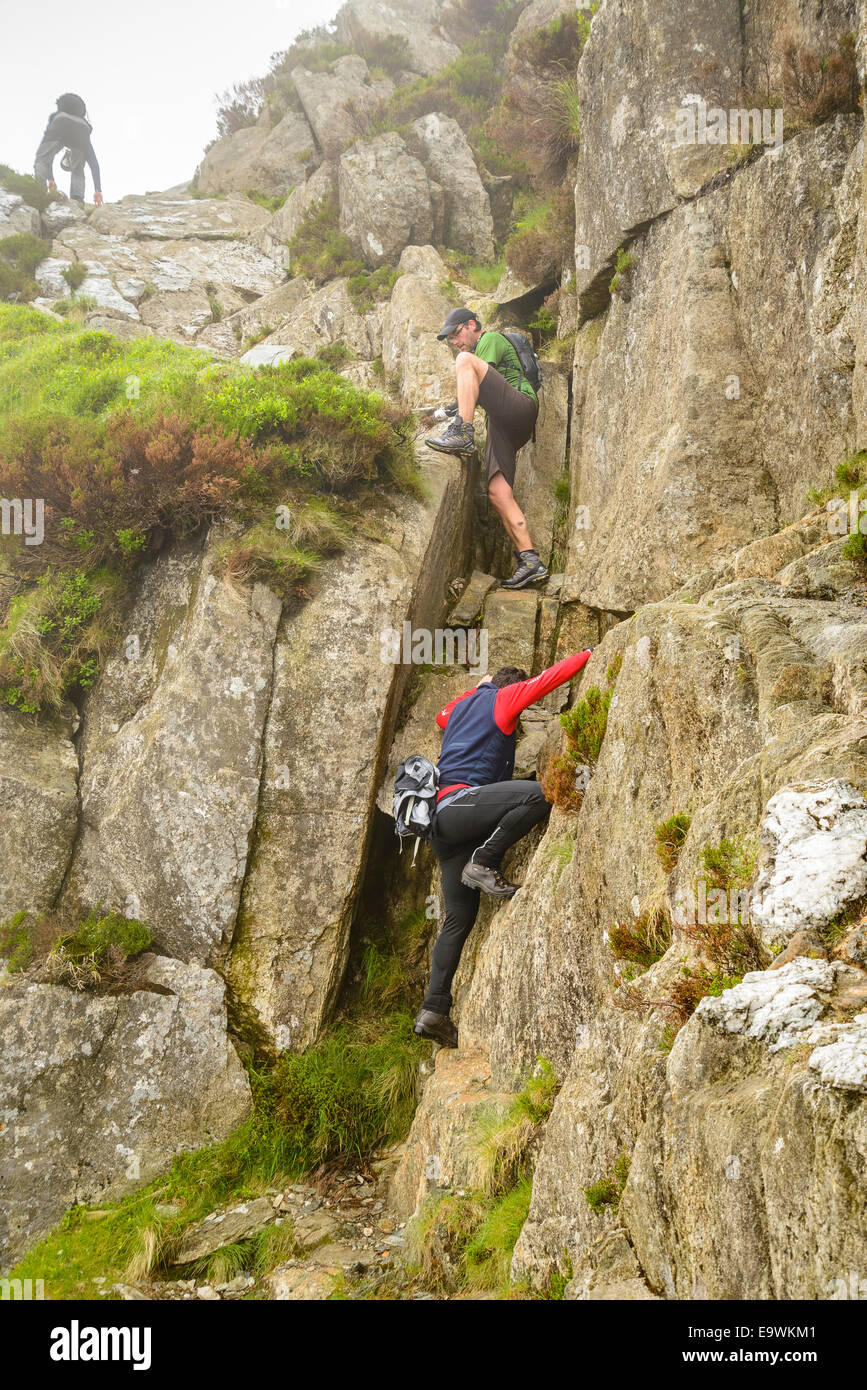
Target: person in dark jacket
point(69, 128)
point(481, 812)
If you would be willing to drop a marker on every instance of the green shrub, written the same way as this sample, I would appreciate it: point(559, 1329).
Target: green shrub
point(31, 190)
point(855, 549)
point(542, 241)
point(585, 724)
point(273, 202)
point(350, 1093)
point(370, 287)
point(15, 944)
point(503, 1138)
point(605, 1195)
point(319, 250)
point(489, 1250)
point(538, 117)
point(75, 274)
point(19, 256)
point(687, 993)
point(97, 950)
point(670, 835)
point(643, 940)
point(623, 263)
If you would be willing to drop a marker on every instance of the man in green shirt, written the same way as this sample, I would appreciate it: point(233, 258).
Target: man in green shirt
point(488, 372)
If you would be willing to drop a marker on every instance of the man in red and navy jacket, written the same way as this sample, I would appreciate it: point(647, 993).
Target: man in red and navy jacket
point(480, 814)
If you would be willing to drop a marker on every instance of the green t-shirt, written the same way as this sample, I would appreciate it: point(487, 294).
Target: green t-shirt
point(495, 349)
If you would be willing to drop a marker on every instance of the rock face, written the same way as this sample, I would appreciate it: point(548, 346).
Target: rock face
point(816, 838)
point(39, 795)
point(171, 757)
point(410, 322)
point(637, 68)
point(266, 159)
point(467, 222)
point(766, 1147)
point(385, 199)
point(287, 219)
point(97, 1096)
point(334, 670)
point(16, 218)
point(311, 319)
point(163, 261)
point(337, 103)
point(755, 743)
point(416, 21)
point(684, 451)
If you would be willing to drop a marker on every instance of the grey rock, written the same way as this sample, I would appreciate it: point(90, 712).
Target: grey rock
point(96, 1090)
point(385, 201)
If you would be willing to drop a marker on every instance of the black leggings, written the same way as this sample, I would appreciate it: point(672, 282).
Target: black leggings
point(482, 822)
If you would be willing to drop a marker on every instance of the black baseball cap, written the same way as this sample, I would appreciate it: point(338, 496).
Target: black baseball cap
point(455, 318)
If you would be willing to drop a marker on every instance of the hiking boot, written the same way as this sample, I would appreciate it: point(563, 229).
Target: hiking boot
point(489, 880)
point(456, 438)
point(530, 571)
point(438, 1027)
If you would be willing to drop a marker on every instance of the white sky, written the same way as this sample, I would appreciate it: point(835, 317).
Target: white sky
point(148, 73)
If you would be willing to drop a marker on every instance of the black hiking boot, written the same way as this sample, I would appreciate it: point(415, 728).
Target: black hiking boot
point(529, 571)
point(488, 879)
point(456, 438)
point(438, 1027)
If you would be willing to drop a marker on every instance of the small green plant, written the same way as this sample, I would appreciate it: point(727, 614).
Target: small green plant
point(75, 274)
point(537, 249)
point(76, 307)
point(604, 1195)
point(488, 1254)
point(32, 191)
point(335, 355)
point(643, 940)
point(370, 287)
point(670, 835)
point(15, 944)
point(96, 950)
point(20, 254)
point(688, 991)
point(213, 302)
point(319, 250)
point(731, 863)
point(272, 203)
point(623, 263)
point(585, 724)
point(855, 550)
point(503, 1138)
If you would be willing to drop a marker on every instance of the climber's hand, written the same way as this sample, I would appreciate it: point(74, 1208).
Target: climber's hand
point(97, 200)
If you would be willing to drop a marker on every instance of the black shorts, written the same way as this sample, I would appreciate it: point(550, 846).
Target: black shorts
point(511, 421)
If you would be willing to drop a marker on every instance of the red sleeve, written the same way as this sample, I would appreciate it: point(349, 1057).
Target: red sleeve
point(443, 716)
point(513, 699)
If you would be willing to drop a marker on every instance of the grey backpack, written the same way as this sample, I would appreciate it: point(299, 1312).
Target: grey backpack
point(415, 795)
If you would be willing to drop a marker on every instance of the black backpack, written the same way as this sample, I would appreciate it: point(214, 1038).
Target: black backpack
point(415, 794)
point(528, 358)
